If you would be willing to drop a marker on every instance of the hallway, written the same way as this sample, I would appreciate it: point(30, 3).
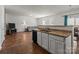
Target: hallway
point(21, 43)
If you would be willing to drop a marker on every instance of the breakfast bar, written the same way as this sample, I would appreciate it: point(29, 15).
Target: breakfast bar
point(55, 40)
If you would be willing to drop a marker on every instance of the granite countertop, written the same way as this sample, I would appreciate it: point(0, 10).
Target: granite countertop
point(62, 33)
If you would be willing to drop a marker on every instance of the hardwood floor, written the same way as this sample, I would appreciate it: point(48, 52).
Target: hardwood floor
point(77, 48)
point(21, 43)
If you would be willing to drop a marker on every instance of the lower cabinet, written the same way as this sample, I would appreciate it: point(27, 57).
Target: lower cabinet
point(68, 45)
point(39, 41)
point(55, 45)
point(52, 46)
point(45, 41)
point(59, 47)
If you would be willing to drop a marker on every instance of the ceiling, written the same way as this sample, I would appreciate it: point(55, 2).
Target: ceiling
point(38, 11)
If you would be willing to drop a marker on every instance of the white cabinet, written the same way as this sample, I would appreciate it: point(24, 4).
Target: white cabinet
point(59, 47)
point(56, 44)
point(68, 45)
point(51, 44)
point(39, 38)
point(42, 40)
point(45, 41)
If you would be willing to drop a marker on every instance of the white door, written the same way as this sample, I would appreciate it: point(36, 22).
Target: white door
point(68, 45)
point(59, 47)
point(45, 41)
point(52, 44)
point(39, 38)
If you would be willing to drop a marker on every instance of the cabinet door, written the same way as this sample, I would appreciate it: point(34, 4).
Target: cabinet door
point(59, 47)
point(39, 38)
point(45, 41)
point(52, 45)
point(68, 45)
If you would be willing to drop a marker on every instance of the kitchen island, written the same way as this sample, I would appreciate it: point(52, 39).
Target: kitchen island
point(54, 40)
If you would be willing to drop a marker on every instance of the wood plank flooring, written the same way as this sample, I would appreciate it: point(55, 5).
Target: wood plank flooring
point(21, 43)
point(77, 48)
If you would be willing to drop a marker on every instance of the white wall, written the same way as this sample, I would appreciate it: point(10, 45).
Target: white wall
point(58, 19)
point(77, 20)
point(73, 16)
point(20, 20)
point(48, 20)
point(51, 20)
point(70, 20)
point(1, 25)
